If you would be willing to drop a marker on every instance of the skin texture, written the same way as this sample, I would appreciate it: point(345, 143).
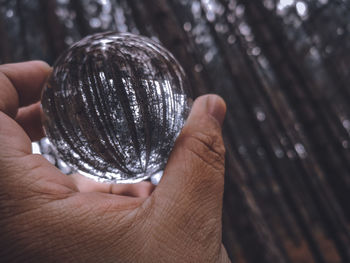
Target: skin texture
point(49, 217)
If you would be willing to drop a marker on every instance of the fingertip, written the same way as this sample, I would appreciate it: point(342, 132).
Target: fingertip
point(42, 66)
point(216, 107)
point(86, 185)
point(30, 120)
point(25, 80)
point(211, 104)
point(41, 63)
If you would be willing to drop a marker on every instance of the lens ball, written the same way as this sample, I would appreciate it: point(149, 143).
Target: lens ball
point(114, 105)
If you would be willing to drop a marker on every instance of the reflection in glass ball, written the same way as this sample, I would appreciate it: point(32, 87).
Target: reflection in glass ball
point(114, 106)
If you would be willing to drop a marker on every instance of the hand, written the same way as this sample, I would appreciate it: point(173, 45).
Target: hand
point(49, 217)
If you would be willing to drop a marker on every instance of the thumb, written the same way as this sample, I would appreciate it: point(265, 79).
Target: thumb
point(192, 185)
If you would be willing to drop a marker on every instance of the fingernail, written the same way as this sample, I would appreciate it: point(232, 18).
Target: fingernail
point(216, 107)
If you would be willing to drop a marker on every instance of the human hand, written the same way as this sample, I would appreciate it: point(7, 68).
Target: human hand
point(49, 217)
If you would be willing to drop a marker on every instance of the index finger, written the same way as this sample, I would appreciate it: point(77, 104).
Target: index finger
point(21, 84)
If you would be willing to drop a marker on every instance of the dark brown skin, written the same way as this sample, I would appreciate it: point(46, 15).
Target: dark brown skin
point(49, 217)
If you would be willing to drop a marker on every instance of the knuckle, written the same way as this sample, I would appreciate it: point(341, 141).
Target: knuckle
point(207, 146)
point(9, 101)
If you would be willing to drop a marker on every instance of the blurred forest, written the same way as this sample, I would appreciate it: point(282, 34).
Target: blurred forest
point(283, 68)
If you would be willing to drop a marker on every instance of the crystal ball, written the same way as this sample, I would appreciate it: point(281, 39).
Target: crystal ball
point(114, 106)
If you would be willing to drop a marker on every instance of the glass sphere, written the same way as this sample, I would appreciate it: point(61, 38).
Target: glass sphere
point(114, 105)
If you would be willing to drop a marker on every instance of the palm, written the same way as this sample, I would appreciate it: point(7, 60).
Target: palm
point(73, 204)
point(46, 215)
